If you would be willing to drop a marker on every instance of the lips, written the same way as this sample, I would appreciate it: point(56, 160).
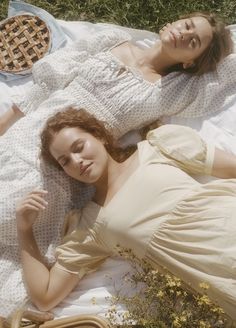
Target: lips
point(83, 168)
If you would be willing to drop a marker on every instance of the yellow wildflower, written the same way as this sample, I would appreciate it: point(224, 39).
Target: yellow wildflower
point(204, 286)
point(93, 300)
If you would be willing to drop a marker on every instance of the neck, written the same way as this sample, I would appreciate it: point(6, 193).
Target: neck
point(113, 179)
point(107, 181)
point(157, 59)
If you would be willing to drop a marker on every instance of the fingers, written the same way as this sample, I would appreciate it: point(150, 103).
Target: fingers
point(28, 210)
point(34, 201)
point(38, 316)
point(38, 191)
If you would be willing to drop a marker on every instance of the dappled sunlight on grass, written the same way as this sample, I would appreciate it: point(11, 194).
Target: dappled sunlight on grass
point(144, 14)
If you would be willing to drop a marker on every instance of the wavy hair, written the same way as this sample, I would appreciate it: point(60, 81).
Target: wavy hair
point(71, 118)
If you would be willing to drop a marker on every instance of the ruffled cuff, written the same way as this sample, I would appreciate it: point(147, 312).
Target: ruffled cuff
point(30, 101)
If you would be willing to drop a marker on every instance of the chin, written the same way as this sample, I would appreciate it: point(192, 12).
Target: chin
point(166, 40)
point(91, 180)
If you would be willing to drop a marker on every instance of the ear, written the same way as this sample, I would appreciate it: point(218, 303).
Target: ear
point(188, 65)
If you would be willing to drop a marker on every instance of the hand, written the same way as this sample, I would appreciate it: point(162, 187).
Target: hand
point(2, 127)
point(34, 315)
point(28, 209)
point(2, 131)
point(11, 116)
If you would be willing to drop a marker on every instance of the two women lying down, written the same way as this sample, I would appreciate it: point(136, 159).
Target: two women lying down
point(146, 199)
point(115, 81)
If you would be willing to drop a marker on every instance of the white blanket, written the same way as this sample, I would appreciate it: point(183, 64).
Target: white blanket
point(91, 294)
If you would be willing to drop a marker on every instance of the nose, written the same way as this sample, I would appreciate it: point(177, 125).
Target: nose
point(187, 34)
point(76, 158)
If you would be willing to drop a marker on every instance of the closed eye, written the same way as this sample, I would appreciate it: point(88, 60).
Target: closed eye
point(78, 148)
point(196, 37)
point(63, 162)
point(187, 26)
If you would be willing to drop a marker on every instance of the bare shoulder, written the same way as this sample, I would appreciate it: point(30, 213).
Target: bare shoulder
point(135, 57)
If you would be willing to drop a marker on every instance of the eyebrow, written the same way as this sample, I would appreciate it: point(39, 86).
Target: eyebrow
point(197, 36)
point(72, 148)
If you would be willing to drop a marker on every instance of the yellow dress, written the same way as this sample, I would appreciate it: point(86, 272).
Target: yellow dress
point(164, 215)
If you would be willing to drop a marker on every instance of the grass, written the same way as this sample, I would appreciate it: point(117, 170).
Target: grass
point(143, 14)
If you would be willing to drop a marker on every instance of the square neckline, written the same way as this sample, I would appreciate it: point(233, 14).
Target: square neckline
point(139, 155)
point(135, 71)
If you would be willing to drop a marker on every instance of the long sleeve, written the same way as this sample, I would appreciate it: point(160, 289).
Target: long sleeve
point(183, 148)
point(57, 70)
point(191, 96)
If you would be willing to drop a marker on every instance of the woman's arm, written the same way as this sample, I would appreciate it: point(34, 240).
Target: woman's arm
point(184, 148)
point(224, 165)
point(56, 71)
point(9, 118)
point(46, 287)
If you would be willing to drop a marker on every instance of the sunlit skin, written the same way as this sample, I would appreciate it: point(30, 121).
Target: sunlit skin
point(85, 158)
point(186, 39)
point(181, 43)
point(82, 156)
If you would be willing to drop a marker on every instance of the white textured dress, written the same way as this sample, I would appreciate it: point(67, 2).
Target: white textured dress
point(84, 75)
point(169, 218)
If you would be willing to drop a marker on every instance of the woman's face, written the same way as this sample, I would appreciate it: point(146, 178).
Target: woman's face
point(81, 155)
point(186, 39)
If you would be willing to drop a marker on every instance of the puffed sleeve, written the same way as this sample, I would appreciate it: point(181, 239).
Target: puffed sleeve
point(183, 147)
point(102, 40)
point(81, 251)
point(51, 73)
point(57, 70)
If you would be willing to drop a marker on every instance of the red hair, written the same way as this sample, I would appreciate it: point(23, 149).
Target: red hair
point(71, 118)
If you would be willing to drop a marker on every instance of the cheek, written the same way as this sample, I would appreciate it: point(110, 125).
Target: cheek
point(187, 53)
point(90, 150)
point(67, 171)
point(95, 150)
point(102, 159)
point(196, 53)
